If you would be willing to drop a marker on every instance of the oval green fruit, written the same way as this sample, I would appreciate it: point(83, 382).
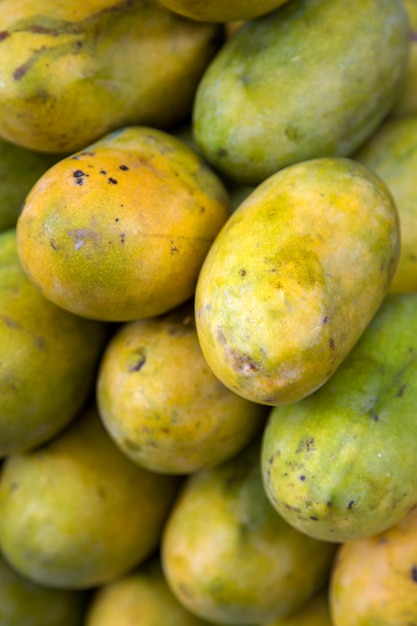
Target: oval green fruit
point(337, 465)
point(229, 558)
point(305, 81)
point(391, 153)
point(219, 11)
point(76, 513)
point(48, 358)
point(69, 73)
point(294, 277)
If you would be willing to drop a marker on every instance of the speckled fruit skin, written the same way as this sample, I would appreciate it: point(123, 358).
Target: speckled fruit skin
point(337, 465)
point(48, 358)
point(301, 82)
point(76, 513)
point(162, 404)
point(24, 603)
point(219, 11)
point(229, 557)
point(141, 598)
point(374, 580)
point(119, 231)
point(71, 72)
point(294, 277)
point(391, 153)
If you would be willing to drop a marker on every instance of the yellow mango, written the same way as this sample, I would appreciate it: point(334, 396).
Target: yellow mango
point(162, 404)
point(71, 72)
point(294, 277)
point(374, 580)
point(119, 230)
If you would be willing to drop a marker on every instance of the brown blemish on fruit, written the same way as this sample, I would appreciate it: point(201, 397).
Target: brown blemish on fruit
point(350, 505)
point(414, 573)
point(124, 168)
point(139, 361)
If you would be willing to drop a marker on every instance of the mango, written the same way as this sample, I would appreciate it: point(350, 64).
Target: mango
point(391, 153)
point(25, 603)
point(229, 557)
point(76, 513)
point(338, 464)
point(374, 579)
point(161, 403)
point(71, 73)
point(219, 11)
point(19, 170)
point(118, 231)
point(406, 103)
point(300, 82)
point(48, 358)
point(140, 598)
point(294, 277)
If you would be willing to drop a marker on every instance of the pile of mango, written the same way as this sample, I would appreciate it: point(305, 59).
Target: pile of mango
point(208, 313)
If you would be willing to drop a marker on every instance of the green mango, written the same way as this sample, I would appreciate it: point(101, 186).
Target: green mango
point(229, 558)
point(48, 358)
point(19, 170)
point(338, 465)
point(72, 72)
point(25, 603)
point(294, 277)
point(313, 78)
point(406, 103)
point(391, 153)
point(75, 513)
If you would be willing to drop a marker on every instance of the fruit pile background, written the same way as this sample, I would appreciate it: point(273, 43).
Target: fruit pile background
point(208, 313)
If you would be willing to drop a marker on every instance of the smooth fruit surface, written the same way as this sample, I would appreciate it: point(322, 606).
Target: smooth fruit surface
point(294, 277)
point(119, 231)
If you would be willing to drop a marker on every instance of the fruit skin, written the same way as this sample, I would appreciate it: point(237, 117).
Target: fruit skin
point(227, 555)
point(24, 603)
point(218, 11)
point(336, 465)
point(301, 82)
point(19, 170)
point(48, 358)
point(294, 277)
point(141, 598)
point(69, 73)
point(76, 513)
point(406, 103)
point(161, 403)
point(315, 612)
point(391, 153)
point(119, 230)
point(374, 580)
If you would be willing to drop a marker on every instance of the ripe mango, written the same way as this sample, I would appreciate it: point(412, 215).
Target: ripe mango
point(70, 73)
point(119, 230)
point(374, 580)
point(391, 153)
point(226, 554)
point(76, 513)
point(303, 81)
point(338, 464)
point(294, 277)
point(48, 358)
point(161, 403)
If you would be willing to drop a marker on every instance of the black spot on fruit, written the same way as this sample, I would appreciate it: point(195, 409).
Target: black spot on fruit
point(414, 573)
